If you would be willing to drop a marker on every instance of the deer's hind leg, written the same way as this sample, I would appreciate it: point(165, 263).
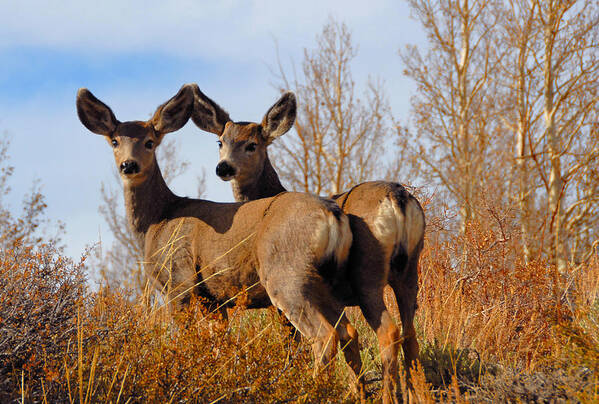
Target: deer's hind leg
point(369, 268)
point(389, 339)
point(403, 280)
point(309, 305)
point(348, 338)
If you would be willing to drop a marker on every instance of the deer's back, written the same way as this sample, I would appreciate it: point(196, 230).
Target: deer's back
point(228, 248)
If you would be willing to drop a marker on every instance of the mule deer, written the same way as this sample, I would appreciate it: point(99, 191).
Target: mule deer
point(387, 223)
point(288, 251)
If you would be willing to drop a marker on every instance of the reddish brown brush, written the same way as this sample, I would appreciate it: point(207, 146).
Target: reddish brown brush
point(493, 329)
point(40, 295)
point(478, 297)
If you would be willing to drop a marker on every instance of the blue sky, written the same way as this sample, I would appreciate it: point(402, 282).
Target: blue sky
point(134, 55)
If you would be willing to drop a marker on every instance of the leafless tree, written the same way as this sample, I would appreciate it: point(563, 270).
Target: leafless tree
point(340, 136)
point(554, 74)
point(570, 68)
point(519, 31)
point(31, 226)
point(455, 134)
point(507, 100)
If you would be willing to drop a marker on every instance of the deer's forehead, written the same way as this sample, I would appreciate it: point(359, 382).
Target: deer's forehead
point(241, 132)
point(134, 129)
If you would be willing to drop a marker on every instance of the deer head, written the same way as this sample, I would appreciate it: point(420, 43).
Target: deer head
point(134, 143)
point(242, 145)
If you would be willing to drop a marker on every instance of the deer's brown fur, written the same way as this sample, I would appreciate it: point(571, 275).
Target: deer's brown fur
point(288, 250)
point(387, 223)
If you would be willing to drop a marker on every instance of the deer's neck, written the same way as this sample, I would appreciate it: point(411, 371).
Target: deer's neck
point(148, 202)
point(263, 186)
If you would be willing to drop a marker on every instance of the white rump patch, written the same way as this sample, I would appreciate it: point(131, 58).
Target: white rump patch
point(391, 227)
point(332, 238)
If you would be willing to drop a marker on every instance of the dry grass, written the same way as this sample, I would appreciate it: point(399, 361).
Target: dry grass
point(103, 348)
point(491, 329)
point(497, 329)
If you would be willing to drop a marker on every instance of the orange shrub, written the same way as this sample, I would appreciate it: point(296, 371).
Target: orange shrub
point(41, 293)
point(480, 303)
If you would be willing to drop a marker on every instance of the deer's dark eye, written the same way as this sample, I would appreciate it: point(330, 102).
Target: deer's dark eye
point(149, 144)
point(251, 147)
point(114, 142)
point(219, 143)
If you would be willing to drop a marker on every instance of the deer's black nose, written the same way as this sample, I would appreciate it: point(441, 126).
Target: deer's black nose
point(129, 167)
point(223, 169)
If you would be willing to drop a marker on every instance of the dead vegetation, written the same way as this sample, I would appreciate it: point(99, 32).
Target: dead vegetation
point(493, 330)
point(500, 331)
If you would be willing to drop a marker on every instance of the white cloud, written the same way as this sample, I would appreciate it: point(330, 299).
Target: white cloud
point(206, 29)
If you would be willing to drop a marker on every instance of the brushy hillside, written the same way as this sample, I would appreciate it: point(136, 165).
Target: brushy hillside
point(491, 329)
point(59, 342)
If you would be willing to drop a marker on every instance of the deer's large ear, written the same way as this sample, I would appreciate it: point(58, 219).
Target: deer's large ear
point(174, 114)
point(94, 114)
point(207, 114)
point(280, 117)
